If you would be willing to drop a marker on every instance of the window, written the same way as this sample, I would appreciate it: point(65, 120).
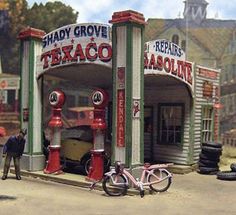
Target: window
point(175, 39)
point(83, 101)
point(171, 123)
point(207, 124)
point(70, 100)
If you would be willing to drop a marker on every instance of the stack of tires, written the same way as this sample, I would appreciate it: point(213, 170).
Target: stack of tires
point(228, 175)
point(209, 158)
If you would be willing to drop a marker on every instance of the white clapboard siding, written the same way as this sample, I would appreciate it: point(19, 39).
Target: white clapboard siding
point(200, 101)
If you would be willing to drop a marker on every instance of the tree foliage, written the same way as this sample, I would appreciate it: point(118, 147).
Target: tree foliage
point(50, 16)
point(47, 17)
point(9, 45)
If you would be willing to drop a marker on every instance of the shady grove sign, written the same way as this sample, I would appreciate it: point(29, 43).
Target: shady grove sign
point(77, 43)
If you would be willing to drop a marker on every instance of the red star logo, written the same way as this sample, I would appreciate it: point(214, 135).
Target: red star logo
point(92, 39)
point(55, 45)
point(72, 41)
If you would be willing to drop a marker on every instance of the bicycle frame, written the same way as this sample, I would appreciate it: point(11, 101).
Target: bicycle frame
point(144, 177)
point(146, 172)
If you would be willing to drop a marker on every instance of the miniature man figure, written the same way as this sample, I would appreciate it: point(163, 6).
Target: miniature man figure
point(14, 148)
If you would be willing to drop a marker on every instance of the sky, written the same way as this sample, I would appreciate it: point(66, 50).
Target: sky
point(101, 10)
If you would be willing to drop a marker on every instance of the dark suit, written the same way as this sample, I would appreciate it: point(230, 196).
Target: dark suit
point(14, 148)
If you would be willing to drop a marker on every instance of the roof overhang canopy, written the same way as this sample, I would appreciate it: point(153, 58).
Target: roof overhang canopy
point(88, 74)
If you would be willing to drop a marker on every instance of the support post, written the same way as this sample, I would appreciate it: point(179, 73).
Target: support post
point(128, 78)
point(30, 98)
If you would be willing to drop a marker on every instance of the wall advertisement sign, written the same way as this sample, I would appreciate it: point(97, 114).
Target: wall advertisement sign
point(9, 83)
point(77, 43)
point(120, 121)
point(207, 73)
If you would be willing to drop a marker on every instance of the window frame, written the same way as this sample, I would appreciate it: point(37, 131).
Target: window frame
point(182, 105)
point(212, 123)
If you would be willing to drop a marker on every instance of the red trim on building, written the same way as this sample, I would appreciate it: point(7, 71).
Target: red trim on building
point(31, 32)
point(128, 16)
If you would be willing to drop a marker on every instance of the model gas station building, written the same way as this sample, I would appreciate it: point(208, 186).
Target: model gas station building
point(163, 107)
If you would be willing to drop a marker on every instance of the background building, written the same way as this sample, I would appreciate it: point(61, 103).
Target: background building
point(208, 42)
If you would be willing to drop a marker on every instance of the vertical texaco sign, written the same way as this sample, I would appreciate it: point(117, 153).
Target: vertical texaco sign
point(120, 107)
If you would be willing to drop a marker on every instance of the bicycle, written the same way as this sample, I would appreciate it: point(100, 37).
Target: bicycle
point(116, 183)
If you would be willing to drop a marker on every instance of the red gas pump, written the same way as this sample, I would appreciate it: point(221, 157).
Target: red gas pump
point(57, 100)
point(100, 100)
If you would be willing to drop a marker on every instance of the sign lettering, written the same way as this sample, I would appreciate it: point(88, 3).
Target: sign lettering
point(120, 118)
point(207, 73)
point(166, 58)
point(77, 43)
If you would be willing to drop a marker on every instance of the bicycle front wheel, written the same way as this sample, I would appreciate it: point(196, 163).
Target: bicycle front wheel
point(114, 185)
point(160, 181)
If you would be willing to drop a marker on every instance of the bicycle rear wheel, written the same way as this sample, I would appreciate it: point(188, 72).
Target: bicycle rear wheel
point(162, 185)
point(114, 185)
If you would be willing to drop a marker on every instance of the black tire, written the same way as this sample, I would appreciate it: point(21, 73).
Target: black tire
point(209, 156)
point(160, 186)
point(207, 163)
point(201, 164)
point(208, 170)
point(226, 175)
point(212, 144)
point(86, 166)
point(87, 162)
point(233, 167)
point(212, 150)
point(114, 190)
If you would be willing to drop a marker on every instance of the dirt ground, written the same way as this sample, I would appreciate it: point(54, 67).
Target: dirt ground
point(190, 194)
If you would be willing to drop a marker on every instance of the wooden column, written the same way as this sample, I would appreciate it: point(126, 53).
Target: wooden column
point(128, 83)
point(30, 98)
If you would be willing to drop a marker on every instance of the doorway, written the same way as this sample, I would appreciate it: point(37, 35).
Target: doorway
point(148, 134)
